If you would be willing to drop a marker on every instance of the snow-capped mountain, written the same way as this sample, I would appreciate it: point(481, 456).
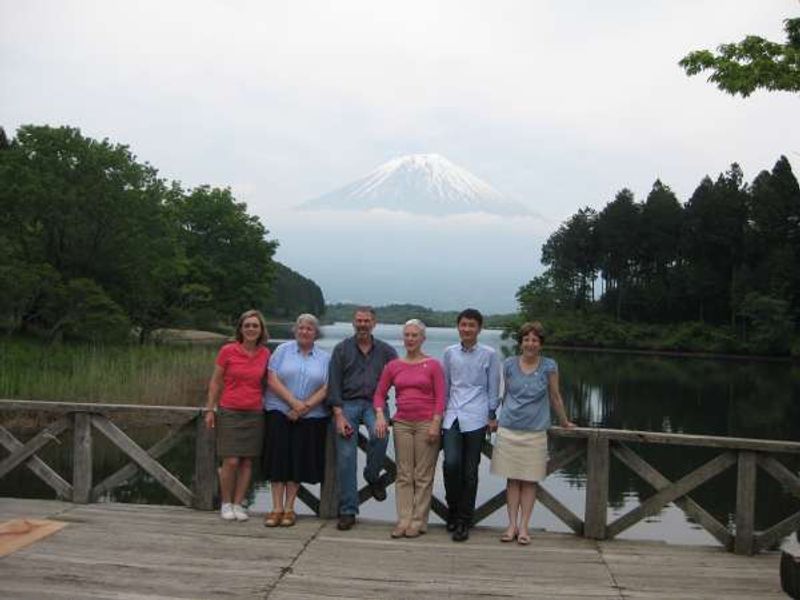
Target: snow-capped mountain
point(427, 184)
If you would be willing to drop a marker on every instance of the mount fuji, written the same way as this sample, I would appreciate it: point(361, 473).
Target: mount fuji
point(423, 184)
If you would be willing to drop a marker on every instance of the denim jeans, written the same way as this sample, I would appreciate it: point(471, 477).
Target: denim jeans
point(462, 455)
point(357, 412)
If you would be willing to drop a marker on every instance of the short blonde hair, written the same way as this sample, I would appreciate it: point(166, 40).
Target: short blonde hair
point(416, 323)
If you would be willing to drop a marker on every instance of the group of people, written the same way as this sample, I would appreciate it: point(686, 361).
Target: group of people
point(278, 407)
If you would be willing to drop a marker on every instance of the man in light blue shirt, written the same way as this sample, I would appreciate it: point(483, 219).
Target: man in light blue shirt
point(472, 379)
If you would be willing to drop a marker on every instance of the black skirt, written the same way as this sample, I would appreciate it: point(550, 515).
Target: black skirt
point(294, 450)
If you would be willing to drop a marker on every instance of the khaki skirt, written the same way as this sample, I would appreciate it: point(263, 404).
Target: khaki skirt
point(520, 454)
point(239, 433)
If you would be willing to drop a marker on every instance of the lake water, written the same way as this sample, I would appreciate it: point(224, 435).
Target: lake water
point(740, 398)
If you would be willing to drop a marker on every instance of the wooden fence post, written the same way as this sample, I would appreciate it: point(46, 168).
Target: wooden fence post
point(745, 503)
point(597, 462)
point(329, 490)
point(205, 465)
point(82, 458)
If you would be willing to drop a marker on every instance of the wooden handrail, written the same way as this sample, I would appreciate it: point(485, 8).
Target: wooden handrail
point(597, 445)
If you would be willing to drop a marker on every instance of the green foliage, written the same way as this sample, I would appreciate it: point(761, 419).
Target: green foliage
point(770, 325)
point(293, 294)
point(753, 63)
point(225, 251)
point(692, 267)
point(95, 243)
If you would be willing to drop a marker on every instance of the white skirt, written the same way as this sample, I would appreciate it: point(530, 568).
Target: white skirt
point(520, 454)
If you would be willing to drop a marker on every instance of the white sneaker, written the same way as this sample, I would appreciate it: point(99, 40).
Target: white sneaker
point(226, 512)
point(240, 513)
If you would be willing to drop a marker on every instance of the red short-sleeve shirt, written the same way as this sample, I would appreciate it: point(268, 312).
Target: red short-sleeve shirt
point(243, 375)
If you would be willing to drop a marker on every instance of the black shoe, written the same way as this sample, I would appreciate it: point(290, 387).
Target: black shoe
point(451, 525)
point(346, 522)
point(461, 534)
point(378, 490)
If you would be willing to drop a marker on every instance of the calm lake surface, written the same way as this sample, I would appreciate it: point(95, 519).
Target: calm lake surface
point(732, 397)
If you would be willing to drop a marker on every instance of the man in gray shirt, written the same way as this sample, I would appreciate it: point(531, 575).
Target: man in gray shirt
point(355, 367)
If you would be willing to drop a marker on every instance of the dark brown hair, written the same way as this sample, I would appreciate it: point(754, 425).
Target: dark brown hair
point(246, 315)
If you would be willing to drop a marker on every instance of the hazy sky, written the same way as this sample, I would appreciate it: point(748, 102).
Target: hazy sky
point(556, 104)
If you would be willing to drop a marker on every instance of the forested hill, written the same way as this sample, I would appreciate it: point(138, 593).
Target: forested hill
point(293, 294)
point(96, 245)
point(400, 313)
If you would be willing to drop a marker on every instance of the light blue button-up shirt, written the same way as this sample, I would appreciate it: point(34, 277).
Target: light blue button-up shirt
point(302, 374)
point(472, 386)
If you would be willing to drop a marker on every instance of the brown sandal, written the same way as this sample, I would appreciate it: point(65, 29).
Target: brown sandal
point(288, 519)
point(273, 519)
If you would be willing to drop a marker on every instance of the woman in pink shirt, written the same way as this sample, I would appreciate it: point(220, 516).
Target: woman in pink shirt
point(239, 378)
point(418, 382)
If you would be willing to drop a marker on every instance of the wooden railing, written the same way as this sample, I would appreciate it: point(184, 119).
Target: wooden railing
point(598, 446)
point(86, 418)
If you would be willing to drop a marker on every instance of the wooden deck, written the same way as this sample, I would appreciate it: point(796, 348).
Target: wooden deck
point(125, 551)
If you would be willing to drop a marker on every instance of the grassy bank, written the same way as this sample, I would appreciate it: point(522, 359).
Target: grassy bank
point(150, 375)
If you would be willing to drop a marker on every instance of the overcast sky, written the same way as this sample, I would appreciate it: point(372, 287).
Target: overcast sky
point(556, 104)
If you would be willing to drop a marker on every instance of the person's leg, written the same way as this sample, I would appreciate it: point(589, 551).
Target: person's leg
point(404, 484)
point(471, 458)
point(292, 487)
point(512, 505)
point(278, 491)
point(452, 446)
point(243, 476)
point(526, 501)
point(425, 455)
point(346, 461)
point(227, 478)
point(376, 447)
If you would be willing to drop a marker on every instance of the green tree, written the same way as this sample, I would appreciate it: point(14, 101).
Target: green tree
point(662, 216)
point(84, 209)
point(713, 244)
point(773, 246)
point(571, 257)
point(753, 63)
point(226, 249)
point(619, 238)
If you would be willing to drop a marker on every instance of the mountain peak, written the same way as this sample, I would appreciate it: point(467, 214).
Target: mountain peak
point(426, 184)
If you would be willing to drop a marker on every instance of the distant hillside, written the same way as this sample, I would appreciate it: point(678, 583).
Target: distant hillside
point(400, 313)
point(293, 294)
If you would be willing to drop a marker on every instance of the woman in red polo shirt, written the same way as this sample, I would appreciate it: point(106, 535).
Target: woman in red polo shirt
point(240, 374)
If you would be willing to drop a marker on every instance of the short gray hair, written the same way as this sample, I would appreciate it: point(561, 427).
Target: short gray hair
point(416, 323)
point(307, 318)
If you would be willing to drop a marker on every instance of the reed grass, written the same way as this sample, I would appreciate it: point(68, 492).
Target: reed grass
point(127, 374)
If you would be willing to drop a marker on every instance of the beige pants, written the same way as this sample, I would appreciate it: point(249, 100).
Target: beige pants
point(416, 461)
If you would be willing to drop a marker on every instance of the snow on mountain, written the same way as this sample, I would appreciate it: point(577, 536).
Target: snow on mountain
point(427, 184)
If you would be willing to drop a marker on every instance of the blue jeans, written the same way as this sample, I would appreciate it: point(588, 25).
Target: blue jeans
point(462, 455)
point(357, 412)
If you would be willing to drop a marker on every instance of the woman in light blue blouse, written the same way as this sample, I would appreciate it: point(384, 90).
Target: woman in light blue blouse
point(297, 419)
point(520, 452)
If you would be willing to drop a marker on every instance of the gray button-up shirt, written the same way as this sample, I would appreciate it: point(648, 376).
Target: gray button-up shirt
point(354, 375)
